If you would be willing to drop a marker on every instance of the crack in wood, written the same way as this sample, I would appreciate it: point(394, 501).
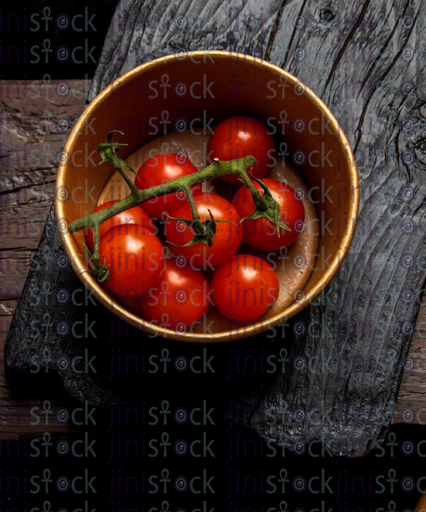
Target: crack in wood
point(274, 31)
point(292, 35)
point(372, 92)
point(345, 45)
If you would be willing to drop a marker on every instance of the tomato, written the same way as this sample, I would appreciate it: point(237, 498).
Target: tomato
point(245, 288)
point(162, 169)
point(262, 233)
point(180, 297)
point(226, 241)
point(239, 136)
point(135, 257)
point(135, 215)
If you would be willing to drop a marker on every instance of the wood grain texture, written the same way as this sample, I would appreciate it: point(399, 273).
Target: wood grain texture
point(35, 122)
point(36, 118)
point(362, 62)
point(141, 31)
point(337, 52)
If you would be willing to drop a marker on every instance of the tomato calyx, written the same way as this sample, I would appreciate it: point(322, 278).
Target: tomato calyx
point(272, 211)
point(100, 271)
point(204, 231)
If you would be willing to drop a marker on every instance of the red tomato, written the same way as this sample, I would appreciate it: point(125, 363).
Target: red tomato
point(135, 215)
point(240, 136)
point(262, 233)
point(245, 288)
point(180, 297)
point(135, 257)
point(162, 169)
point(226, 240)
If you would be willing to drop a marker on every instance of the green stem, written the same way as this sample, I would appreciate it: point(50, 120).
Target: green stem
point(96, 238)
point(108, 151)
point(118, 165)
point(255, 194)
point(192, 205)
point(216, 170)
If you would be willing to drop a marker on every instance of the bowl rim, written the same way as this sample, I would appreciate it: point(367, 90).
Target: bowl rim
point(245, 331)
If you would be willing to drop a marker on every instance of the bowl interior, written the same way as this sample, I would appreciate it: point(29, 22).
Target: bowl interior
point(204, 88)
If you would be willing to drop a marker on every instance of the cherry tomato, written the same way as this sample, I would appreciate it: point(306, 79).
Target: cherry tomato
point(135, 257)
point(226, 241)
point(245, 288)
point(261, 233)
point(162, 169)
point(239, 136)
point(135, 215)
point(180, 297)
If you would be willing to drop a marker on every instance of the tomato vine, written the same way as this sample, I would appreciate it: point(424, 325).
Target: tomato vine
point(265, 205)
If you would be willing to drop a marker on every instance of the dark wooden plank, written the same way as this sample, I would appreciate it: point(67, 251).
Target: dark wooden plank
point(410, 403)
point(36, 119)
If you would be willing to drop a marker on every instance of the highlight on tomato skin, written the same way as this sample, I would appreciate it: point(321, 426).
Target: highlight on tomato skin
point(226, 241)
point(136, 259)
point(179, 298)
point(245, 288)
point(162, 169)
point(135, 215)
point(262, 233)
point(239, 136)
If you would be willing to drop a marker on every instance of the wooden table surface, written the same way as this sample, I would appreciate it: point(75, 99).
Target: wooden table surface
point(36, 118)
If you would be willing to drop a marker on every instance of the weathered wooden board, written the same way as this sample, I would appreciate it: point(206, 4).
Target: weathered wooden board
point(366, 62)
point(333, 49)
point(36, 119)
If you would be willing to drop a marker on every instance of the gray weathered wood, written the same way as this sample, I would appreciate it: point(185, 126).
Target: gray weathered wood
point(364, 61)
